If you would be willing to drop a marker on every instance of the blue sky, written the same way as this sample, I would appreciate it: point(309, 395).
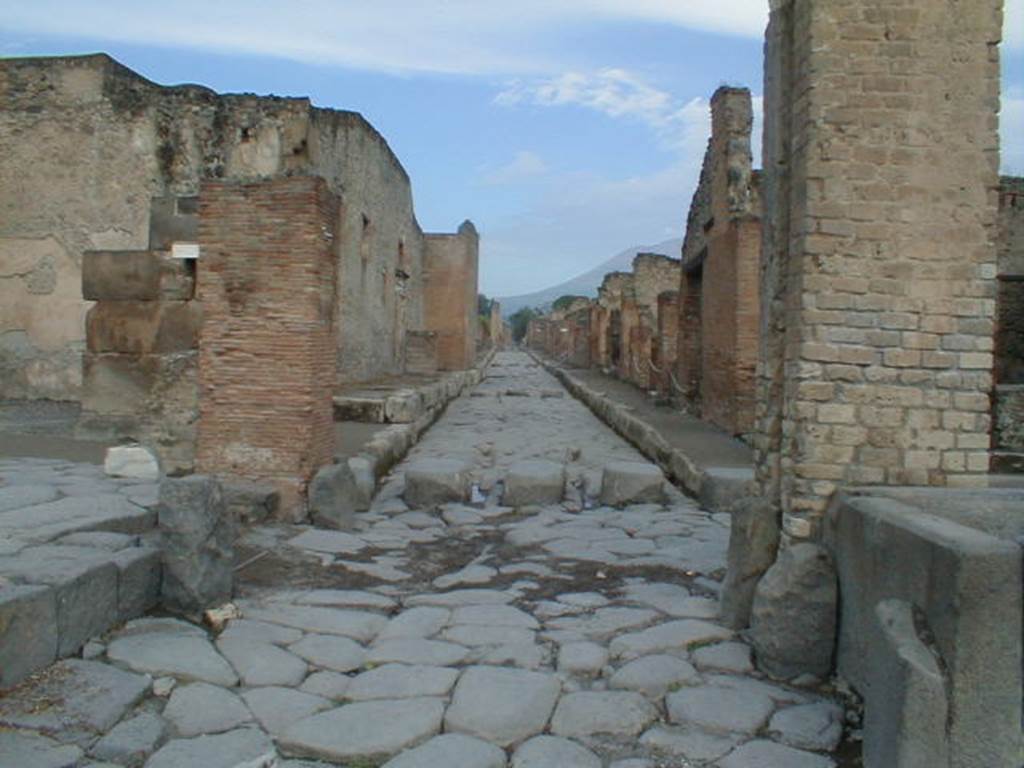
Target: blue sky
point(567, 130)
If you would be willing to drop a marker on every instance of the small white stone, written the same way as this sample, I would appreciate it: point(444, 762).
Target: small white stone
point(131, 461)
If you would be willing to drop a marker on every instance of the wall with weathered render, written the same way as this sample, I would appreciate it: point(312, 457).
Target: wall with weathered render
point(85, 146)
point(881, 157)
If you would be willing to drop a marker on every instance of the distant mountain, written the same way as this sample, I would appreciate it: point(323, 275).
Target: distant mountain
point(587, 283)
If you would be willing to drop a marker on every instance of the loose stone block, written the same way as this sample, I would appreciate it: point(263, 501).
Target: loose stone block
point(198, 540)
point(28, 631)
point(753, 544)
point(436, 481)
point(334, 497)
point(139, 572)
point(632, 482)
point(534, 482)
point(793, 623)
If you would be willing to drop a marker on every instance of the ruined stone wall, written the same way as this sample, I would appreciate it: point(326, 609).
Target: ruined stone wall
point(1008, 400)
point(881, 157)
point(85, 147)
point(450, 295)
point(268, 346)
point(668, 341)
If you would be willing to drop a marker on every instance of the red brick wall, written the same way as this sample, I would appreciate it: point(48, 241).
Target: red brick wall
point(668, 338)
point(267, 363)
point(688, 357)
point(450, 295)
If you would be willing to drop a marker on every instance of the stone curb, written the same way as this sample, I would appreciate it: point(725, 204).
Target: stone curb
point(716, 488)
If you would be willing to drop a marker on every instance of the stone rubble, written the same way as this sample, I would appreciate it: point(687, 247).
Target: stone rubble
point(585, 638)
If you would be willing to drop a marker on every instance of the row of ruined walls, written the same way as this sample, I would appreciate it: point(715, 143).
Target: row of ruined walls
point(87, 146)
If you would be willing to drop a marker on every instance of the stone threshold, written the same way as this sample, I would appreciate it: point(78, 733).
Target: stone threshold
point(715, 487)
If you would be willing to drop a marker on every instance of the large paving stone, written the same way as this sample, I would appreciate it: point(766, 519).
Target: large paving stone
point(817, 726)
point(587, 713)
point(259, 663)
point(451, 750)
point(494, 616)
point(502, 705)
point(459, 597)
point(329, 685)
point(793, 620)
point(330, 542)
point(415, 650)
point(241, 748)
point(24, 748)
point(252, 631)
point(17, 496)
point(340, 654)
point(176, 653)
point(474, 635)
point(436, 481)
point(670, 636)
point(582, 658)
point(553, 752)
point(370, 730)
point(768, 754)
point(359, 625)
point(277, 708)
point(534, 482)
point(402, 681)
point(689, 743)
point(82, 696)
point(605, 621)
point(139, 575)
point(346, 598)
point(727, 657)
point(631, 482)
point(654, 675)
point(29, 640)
point(719, 709)
point(416, 622)
point(131, 741)
point(98, 512)
point(753, 545)
point(198, 541)
point(200, 708)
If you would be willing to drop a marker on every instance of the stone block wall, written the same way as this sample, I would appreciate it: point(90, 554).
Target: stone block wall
point(881, 157)
point(450, 265)
point(267, 351)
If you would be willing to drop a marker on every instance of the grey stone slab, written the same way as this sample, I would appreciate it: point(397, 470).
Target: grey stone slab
point(670, 636)
point(768, 754)
point(260, 632)
point(277, 708)
point(583, 599)
point(459, 597)
point(727, 657)
point(655, 675)
point(689, 743)
point(664, 597)
point(176, 654)
point(201, 708)
point(335, 497)
point(359, 625)
point(793, 618)
point(473, 635)
point(18, 496)
point(495, 616)
point(346, 598)
point(429, 482)
point(402, 681)
point(605, 621)
point(45, 522)
point(111, 542)
point(260, 663)
point(534, 482)
point(749, 685)
point(553, 752)
point(582, 658)
point(502, 705)
point(25, 748)
point(371, 730)
point(471, 574)
point(817, 726)
point(241, 748)
point(83, 696)
point(139, 576)
point(340, 654)
point(198, 541)
point(29, 641)
point(588, 713)
point(131, 741)
point(628, 482)
point(719, 710)
point(451, 750)
point(328, 684)
point(423, 621)
point(523, 655)
point(415, 650)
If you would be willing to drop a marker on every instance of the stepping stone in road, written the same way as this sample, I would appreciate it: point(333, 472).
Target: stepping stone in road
point(502, 705)
point(451, 750)
point(368, 730)
point(429, 482)
point(618, 713)
point(553, 752)
point(632, 482)
point(534, 482)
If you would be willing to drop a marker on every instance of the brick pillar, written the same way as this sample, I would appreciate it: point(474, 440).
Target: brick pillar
point(450, 295)
point(689, 355)
point(881, 155)
point(668, 334)
point(267, 363)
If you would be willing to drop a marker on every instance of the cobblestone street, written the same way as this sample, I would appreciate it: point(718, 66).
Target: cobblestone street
point(464, 635)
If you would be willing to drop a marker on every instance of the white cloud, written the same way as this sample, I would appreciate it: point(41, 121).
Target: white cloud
point(524, 166)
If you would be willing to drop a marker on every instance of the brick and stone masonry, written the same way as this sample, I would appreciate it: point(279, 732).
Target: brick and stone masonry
point(267, 345)
point(1008, 402)
point(450, 264)
point(881, 155)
